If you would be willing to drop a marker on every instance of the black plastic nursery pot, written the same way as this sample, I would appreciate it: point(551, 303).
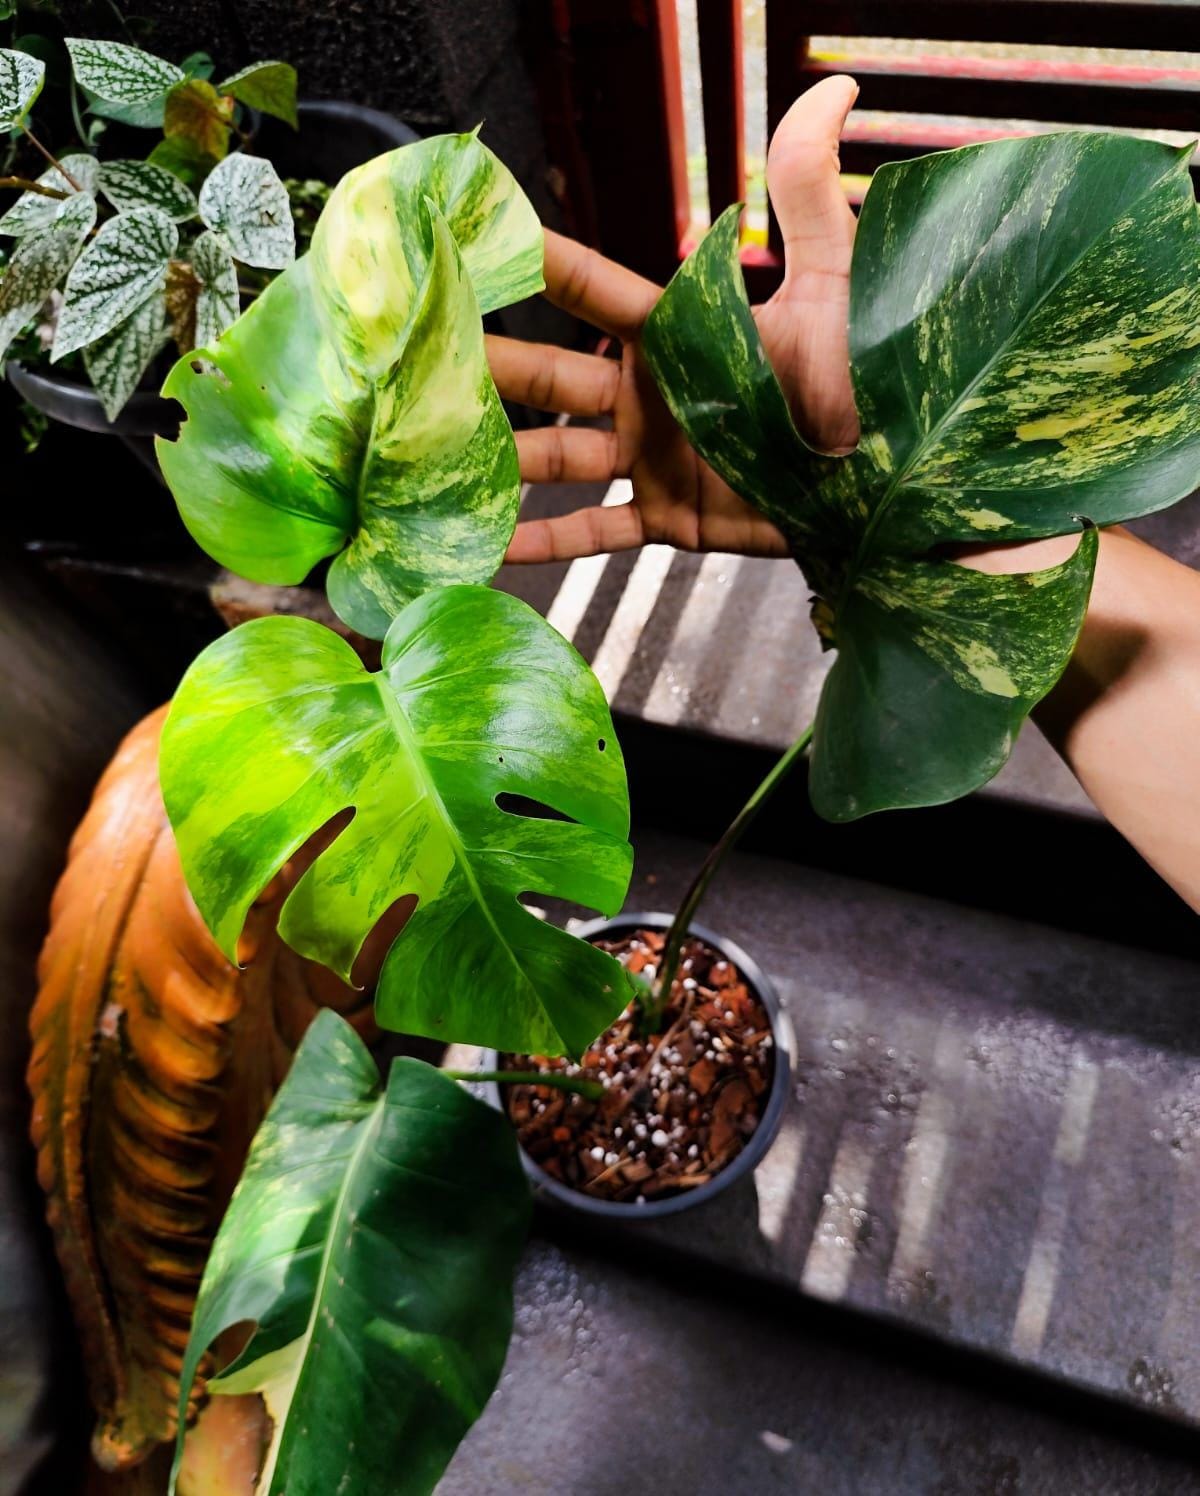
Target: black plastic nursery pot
point(563, 1196)
point(334, 137)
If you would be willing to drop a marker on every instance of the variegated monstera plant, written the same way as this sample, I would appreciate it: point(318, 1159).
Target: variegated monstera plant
point(350, 414)
point(111, 260)
point(1025, 332)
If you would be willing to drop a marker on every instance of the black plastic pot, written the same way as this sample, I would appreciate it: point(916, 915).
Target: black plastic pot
point(561, 1195)
point(333, 138)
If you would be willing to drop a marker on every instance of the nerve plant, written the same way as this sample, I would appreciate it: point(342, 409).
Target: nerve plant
point(1025, 335)
point(113, 259)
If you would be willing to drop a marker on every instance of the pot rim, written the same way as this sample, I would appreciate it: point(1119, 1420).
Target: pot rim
point(545, 1187)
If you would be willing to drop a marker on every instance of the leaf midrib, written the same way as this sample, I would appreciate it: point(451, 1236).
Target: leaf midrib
point(862, 555)
point(370, 1128)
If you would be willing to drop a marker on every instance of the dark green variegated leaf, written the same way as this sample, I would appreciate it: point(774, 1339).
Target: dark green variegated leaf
point(123, 82)
point(196, 112)
point(217, 299)
point(21, 79)
point(351, 408)
point(372, 1241)
point(1025, 346)
point(125, 264)
point(115, 363)
point(244, 201)
point(266, 86)
point(33, 212)
point(141, 184)
point(39, 264)
point(277, 727)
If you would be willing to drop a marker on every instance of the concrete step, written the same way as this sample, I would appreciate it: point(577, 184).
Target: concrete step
point(722, 644)
point(633, 1379)
point(993, 1136)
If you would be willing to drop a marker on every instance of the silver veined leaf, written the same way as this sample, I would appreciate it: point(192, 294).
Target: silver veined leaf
point(39, 263)
point(32, 212)
point(21, 79)
point(141, 184)
point(119, 73)
point(116, 363)
point(217, 303)
point(267, 86)
point(246, 203)
point(372, 1242)
point(124, 266)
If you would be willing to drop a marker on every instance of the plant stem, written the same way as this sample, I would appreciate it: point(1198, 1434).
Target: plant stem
point(25, 184)
point(592, 1089)
point(58, 166)
point(708, 869)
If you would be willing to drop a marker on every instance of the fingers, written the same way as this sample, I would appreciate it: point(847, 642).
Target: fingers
point(584, 283)
point(587, 532)
point(549, 378)
point(567, 454)
point(814, 217)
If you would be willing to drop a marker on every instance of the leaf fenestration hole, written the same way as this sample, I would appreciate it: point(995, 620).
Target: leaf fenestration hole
point(601, 744)
point(369, 961)
point(527, 809)
point(280, 886)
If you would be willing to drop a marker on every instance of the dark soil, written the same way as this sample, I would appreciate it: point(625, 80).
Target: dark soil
point(679, 1104)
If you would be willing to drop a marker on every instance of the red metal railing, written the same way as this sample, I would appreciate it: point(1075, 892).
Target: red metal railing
point(618, 64)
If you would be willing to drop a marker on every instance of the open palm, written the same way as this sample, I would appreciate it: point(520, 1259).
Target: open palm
point(677, 498)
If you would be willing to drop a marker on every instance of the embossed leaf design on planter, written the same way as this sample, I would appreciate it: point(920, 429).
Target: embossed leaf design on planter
point(372, 1239)
point(153, 1061)
point(277, 728)
point(1025, 348)
point(350, 411)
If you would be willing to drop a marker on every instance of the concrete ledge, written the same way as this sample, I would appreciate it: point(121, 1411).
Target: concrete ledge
point(994, 1135)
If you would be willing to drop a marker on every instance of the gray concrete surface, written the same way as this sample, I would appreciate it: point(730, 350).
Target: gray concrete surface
point(723, 645)
point(993, 1136)
point(622, 1382)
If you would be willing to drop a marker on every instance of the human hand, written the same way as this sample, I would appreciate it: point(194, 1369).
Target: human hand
point(677, 498)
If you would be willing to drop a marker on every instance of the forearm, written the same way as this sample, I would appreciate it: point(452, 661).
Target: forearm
point(1126, 714)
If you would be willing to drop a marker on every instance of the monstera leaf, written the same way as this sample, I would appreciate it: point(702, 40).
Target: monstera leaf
point(1025, 347)
point(277, 728)
point(372, 1239)
point(350, 411)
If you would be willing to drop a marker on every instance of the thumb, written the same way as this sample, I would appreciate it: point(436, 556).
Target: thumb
point(815, 219)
